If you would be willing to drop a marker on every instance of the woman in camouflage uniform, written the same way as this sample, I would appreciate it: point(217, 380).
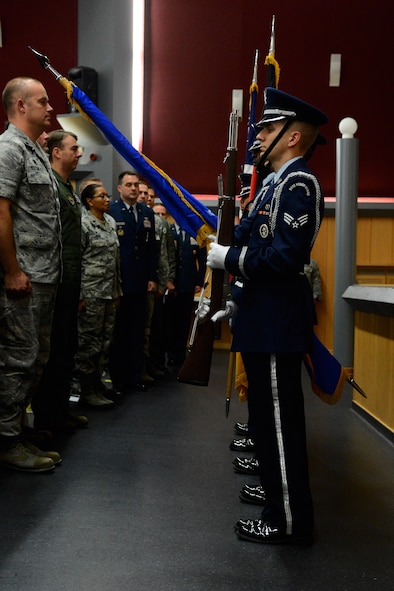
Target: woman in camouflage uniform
point(100, 291)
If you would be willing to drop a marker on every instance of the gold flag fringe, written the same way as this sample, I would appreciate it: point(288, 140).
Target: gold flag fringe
point(271, 61)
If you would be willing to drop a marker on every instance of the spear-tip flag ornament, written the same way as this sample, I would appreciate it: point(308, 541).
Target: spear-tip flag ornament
point(193, 217)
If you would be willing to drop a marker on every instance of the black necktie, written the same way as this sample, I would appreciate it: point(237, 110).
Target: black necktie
point(132, 216)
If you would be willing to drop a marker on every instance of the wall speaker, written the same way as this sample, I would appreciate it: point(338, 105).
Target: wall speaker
point(87, 80)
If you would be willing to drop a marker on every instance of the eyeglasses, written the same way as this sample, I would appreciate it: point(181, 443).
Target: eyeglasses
point(101, 196)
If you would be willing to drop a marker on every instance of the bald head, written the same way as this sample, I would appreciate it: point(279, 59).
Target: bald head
point(26, 104)
point(14, 89)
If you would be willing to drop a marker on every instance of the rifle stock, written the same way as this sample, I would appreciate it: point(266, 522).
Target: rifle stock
point(197, 366)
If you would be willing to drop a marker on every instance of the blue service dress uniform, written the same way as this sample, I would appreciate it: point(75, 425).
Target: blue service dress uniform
point(190, 272)
point(138, 266)
point(273, 329)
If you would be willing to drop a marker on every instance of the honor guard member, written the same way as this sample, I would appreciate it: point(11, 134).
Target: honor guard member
point(273, 324)
point(166, 271)
point(244, 196)
point(135, 227)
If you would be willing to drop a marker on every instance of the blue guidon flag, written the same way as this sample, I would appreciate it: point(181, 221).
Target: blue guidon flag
point(193, 217)
point(327, 375)
point(253, 94)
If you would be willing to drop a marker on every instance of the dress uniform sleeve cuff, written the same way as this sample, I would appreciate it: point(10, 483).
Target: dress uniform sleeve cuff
point(235, 260)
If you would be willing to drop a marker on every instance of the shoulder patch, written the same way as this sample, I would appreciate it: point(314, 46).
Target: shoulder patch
point(300, 186)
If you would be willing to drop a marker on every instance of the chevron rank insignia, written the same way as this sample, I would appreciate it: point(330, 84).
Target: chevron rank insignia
point(295, 223)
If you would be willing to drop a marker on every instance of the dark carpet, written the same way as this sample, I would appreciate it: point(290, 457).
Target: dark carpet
point(146, 500)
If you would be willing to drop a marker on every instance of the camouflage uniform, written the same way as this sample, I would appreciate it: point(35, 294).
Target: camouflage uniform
point(100, 288)
point(162, 276)
point(166, 264)
point(155, 344)
point(51, 400)
point(25, 322)
point(312, 272)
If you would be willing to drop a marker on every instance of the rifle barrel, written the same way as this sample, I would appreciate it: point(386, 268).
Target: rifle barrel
point(196, 368)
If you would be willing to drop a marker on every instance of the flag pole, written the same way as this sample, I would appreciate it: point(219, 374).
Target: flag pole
point(255, 88)
point(273, 72)
point(271, 80)
point(192, 215)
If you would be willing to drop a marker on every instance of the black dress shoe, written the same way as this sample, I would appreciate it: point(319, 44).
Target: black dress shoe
point(253, 494)
point(242, 444)
point(246, 465)
point(257, 530)
point(241, 428)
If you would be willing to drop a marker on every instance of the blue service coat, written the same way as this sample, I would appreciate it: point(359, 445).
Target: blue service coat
point(138, 256)
point(190, 262)
point(276, 311)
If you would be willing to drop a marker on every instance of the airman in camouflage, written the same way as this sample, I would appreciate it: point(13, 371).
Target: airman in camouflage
point(100, 290)
point(166, 283)
point(51, 401)
point(29, 266)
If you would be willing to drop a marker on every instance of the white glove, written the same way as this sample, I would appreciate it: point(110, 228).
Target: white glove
point(216, 256)
point(203, 308)
point(229, 311)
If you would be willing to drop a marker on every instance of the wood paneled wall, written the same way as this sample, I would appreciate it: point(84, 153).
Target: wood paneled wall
point(374, 368)
point(375, 266)
point(375, 241)
point(375, 263)
point(324, 253)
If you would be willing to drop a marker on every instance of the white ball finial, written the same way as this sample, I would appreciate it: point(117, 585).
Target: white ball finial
point(348, 127)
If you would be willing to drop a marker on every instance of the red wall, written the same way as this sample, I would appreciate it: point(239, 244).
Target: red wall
point(49, 27)
point(197, 52)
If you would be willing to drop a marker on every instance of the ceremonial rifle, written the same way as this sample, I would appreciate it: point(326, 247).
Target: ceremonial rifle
point(197, 366)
